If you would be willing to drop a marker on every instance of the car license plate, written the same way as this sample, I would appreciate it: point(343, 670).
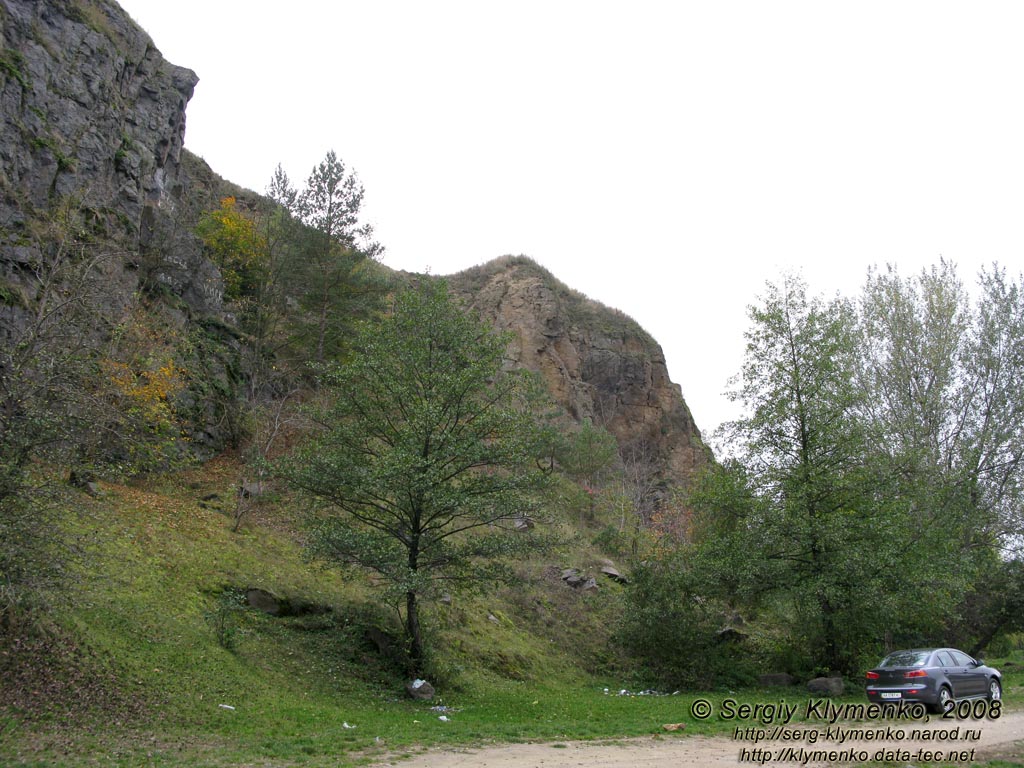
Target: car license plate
point(892, 695)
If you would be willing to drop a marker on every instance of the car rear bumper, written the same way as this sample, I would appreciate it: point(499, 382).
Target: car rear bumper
point(894, 694)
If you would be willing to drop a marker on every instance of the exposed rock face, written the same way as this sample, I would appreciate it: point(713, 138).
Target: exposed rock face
point(95, 116)
point(598, 363)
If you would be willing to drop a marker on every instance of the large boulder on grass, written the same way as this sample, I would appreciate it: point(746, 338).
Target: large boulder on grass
point(613, 573)
point(420, 690)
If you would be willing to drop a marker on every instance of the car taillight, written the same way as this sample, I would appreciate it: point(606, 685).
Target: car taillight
point(916, 673)
point(872, 675)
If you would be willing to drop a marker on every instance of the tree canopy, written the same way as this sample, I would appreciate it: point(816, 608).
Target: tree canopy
point(870, 494)
point(425, 456)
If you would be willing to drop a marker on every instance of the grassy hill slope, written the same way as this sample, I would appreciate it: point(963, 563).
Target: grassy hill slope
point(151, 655)
point(131, 668)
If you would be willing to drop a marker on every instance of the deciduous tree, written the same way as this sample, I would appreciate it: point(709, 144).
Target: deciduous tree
point(810, 534)
point(426, 455)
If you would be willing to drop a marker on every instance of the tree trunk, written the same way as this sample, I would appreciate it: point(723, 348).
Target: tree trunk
point(412, 615)
point(322, 327)
point(986, 637)
point(412, 631)
point(829, 631)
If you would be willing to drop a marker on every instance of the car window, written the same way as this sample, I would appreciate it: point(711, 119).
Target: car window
point(962, 659)
point(905, 659)
point(945, 659)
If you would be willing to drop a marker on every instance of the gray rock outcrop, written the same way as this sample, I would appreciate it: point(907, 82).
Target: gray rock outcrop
point(94, 117)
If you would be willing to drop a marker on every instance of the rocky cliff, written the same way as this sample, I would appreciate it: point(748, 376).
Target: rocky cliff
point(94, 118)
point(598, 363)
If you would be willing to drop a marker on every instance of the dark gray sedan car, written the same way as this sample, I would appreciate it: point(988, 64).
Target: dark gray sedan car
point(932, 676)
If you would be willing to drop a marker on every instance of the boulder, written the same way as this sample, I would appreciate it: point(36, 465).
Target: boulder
point(573, 578)
point(730, 634)
point(251, 489)
point(578, 580)
point(612, 573)
point(420, 690)
point(826, 686)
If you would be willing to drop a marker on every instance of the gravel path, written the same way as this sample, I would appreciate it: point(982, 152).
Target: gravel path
point(988, 738)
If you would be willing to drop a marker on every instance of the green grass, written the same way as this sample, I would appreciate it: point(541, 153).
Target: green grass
point(291, 733)
point(136, 674)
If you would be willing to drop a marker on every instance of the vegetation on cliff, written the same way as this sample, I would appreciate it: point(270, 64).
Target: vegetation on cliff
point(207, 395)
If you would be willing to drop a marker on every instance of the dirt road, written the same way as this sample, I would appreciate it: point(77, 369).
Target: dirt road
point(989, 739)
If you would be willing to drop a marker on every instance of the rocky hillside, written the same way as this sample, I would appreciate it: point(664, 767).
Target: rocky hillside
point(597, 362)
point(94, 119)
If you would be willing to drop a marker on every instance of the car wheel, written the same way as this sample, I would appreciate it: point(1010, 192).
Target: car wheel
point(945, 697)
point(995, 690)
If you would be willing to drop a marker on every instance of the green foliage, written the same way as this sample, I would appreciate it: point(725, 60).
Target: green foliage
point(804, 494)
point(237, 247)
point(224, 618)
point(331, 261)
point(86, 383)
point(425, 453)
point(944, 382)
point(12, 64)
point(46, 383)
point(587, 454)
point(882, 442)
point(943, 378)
point(139, 379)
point(993, 608)
point(674, 625)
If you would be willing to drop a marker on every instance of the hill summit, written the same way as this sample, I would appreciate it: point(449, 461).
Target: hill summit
point(597, 362)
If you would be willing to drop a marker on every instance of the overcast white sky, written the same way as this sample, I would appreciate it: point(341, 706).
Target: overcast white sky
point(665, 158)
